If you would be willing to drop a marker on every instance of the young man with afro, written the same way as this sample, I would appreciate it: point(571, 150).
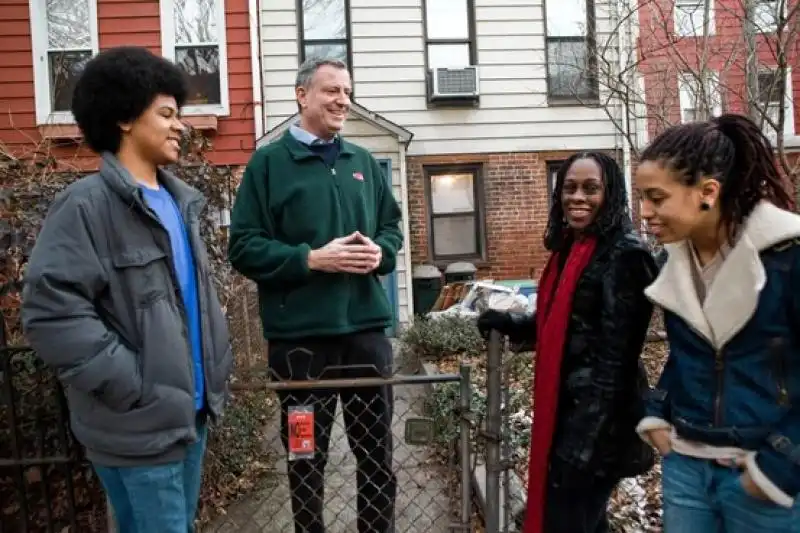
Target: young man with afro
point(119, 301)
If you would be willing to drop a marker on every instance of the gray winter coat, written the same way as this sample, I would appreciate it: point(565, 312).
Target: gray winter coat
point(102, 308)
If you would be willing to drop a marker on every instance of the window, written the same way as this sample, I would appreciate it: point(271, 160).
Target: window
point(325, 30)
point(449, 33)
point(552, 174)
point(454, 207)
point(699, 102)
point(689, 17)
point(64, 35)
point(571, 61)
point(769, 100)
point(193, 36)
point(766, 16)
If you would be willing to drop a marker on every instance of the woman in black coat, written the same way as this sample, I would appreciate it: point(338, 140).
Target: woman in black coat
point(588, 332)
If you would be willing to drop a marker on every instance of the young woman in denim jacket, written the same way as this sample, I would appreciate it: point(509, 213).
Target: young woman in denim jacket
point(725, 414)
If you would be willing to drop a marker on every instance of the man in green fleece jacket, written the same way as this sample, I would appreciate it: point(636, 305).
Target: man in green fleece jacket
point(315, 224)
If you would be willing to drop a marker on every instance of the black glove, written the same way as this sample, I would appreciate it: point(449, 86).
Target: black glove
point(518, 327)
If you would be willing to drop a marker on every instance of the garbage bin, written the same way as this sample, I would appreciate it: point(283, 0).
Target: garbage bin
point(427, 283)
point(460, 272)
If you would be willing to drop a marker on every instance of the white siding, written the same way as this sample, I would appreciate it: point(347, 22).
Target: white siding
point(388, 64)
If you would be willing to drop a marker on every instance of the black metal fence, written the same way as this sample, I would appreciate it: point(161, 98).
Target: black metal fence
point(46, 485)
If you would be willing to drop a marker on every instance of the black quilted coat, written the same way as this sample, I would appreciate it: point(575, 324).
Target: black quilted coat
point(602, 378)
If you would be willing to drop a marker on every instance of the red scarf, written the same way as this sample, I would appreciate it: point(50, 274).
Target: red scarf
point(553, 309)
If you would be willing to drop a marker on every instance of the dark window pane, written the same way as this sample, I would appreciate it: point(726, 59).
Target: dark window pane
point(326, 51)
point(568, 68)
point(769, 87)
point(455, 235)
point(201, 65)
point(552, 175)
point(65, 67)
point(324, 19)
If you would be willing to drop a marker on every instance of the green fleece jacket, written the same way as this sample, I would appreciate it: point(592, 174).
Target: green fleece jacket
point(290, 202)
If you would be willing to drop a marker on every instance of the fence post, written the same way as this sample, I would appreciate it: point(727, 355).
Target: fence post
point(466, 428)
point(494, 398)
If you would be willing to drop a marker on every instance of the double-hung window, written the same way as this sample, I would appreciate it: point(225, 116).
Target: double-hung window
point(193, 36)
point(325, 30)
point(571, 48)
point(449, 32)
point(64, 38)
point(455, 212)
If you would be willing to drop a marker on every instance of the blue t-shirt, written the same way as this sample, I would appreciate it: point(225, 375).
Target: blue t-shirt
point(165, 208)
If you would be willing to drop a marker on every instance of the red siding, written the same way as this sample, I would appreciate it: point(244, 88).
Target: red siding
point(121, 22)
point(663, 55)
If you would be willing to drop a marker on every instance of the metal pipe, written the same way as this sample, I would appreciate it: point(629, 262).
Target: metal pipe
point(466, 474)
point(493, 427)
point(346, 383)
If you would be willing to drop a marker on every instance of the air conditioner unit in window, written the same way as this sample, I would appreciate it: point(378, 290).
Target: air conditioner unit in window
point(455, 83)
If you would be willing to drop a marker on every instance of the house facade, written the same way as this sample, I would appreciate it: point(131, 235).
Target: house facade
point(493, 95)
point(694, 62)
point(47, 42)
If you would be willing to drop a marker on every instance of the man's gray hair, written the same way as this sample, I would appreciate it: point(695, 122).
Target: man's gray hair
point(310, 66)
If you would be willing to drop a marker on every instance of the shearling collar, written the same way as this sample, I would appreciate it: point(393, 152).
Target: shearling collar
point(733, 297)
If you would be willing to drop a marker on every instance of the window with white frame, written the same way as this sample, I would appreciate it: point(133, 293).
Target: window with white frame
point(774, 92)
point(571, 49)
point(64, 38)
point(699, 101)
point(193, 36)
point(689, 15)
point(766, 14)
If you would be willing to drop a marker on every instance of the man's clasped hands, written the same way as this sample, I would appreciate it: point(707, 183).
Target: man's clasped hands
point(353, 254)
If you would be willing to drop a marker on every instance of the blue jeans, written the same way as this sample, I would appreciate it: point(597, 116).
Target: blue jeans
point(702, 496)
point(161, 498)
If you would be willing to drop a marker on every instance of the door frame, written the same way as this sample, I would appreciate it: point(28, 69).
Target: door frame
point(389, 281)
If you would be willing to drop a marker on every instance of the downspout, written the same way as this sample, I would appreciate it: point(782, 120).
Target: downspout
point(254, 9)
point(406, 229)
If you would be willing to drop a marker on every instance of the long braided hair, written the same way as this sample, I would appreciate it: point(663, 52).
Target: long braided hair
point(731, 149)
point(612, 215)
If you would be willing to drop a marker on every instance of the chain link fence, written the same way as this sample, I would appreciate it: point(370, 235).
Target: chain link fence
point(358, 451)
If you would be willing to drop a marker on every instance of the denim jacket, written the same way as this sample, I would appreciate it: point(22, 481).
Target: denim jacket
point(732, 378)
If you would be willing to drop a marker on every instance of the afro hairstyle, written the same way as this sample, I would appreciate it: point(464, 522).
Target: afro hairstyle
point(117, 86)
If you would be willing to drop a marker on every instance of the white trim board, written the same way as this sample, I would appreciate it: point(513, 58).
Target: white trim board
point(403, 135)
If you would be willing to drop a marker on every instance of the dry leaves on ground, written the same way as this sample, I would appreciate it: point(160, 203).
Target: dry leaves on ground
point(636, 504)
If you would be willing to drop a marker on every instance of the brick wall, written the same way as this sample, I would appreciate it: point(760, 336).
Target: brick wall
point(515, 190)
